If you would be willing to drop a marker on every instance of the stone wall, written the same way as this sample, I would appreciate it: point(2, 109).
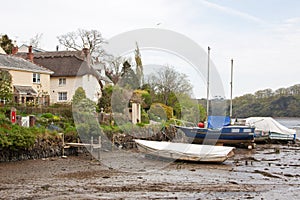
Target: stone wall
point(43, 148)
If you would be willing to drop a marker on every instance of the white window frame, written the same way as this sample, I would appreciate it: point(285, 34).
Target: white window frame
point(61, 96)
point(36, 77)
point(62, 81)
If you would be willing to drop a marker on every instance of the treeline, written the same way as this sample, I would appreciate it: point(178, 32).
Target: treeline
point(283, 102)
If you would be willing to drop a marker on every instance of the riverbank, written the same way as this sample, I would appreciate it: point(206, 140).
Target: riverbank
point(267, 172)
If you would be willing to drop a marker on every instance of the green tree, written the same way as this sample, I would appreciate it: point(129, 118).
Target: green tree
point(6, 44)
point(139, 65)
point(5, 85)
point(159, 111)
point(188, 109)
point(105, 100)
point(284, 102)
point(128, 78)
point(81, 103)
point(168, 83)
point(143, 97)
point(78, 96)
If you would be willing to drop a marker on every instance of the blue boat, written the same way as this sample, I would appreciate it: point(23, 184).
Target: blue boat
point(219, 131)
point(225, 135)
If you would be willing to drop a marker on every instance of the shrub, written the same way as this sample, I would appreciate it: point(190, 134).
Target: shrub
point(145, 98)
point(47, 115)
point(159, 111)
point(16, 137)
point(145, 117)
point(71, 134)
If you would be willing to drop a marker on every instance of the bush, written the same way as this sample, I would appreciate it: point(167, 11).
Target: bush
point(159, 111)
point(47, 115)
point(15, 137)
point(71, 134)
point(145, 97)
point(145, 117)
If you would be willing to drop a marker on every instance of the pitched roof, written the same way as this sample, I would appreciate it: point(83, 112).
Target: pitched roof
point(24, 48)
point(52, 54)
point(64, 63)
point(25, 90)
point(15, 63)
point(2, 51)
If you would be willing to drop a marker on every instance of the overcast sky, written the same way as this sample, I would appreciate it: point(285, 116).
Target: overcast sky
point(262, 36)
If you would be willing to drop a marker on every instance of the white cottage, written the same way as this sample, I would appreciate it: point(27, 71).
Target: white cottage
point(71, 70)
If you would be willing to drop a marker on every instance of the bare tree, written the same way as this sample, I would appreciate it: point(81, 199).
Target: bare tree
point(112, 67)
point(35, 41)
point(81, 38)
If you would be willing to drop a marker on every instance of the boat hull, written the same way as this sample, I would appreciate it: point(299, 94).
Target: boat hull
point(282, 137)
point(268, 129)
point(184, 151)
point(261, 136)
point(225, 135)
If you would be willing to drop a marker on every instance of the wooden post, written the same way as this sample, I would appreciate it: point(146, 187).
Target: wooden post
point(63, 145)
point(99, 147)
point(92, 139)
point(113, 142)
point(63, 150)
point(99, 140)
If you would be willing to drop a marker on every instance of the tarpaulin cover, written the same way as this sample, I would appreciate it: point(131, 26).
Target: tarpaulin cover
point(268, 124)
point(218, 121)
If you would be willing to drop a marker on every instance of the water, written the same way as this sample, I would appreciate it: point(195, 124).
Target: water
point(290, 122)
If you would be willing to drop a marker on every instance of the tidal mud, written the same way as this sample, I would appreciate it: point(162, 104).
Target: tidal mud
point(267, 172)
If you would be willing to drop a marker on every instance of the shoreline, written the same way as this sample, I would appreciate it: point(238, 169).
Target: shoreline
point(262, 173)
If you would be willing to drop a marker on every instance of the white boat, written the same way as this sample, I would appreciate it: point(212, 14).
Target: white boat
point(268, 128)
point(184, 151)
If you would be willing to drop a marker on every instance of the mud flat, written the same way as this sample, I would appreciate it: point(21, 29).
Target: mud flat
point(267, 172)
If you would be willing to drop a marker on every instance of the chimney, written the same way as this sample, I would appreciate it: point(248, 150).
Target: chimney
point(15, 48)
point(86, 50)
point(30, 54)
point(87, 56)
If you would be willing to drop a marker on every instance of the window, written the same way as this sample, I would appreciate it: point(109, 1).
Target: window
point(62, 82)
point(62, 96)
point(36, 78)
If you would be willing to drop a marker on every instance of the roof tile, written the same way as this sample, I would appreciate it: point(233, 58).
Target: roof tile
point(17, 63)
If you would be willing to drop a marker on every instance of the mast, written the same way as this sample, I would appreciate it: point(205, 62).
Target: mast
point(231, 85)
point(207, 92)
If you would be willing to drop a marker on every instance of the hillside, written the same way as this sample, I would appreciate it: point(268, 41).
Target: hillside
point(283, 102)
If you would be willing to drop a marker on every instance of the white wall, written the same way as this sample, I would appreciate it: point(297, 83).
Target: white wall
point(88, 82)
point(92, 87)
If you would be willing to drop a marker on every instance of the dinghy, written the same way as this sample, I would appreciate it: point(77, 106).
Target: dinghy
point(185, 151)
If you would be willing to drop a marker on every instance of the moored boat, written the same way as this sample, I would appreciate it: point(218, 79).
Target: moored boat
point(267, 128)
point(185, 151)
point(234, 135)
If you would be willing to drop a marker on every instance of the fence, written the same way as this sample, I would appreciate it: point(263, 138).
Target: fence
point(65, 110)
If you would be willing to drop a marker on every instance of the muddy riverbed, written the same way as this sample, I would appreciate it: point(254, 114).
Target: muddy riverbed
point(267, 172)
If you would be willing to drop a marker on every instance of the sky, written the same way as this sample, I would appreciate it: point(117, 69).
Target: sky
point(262, 36)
